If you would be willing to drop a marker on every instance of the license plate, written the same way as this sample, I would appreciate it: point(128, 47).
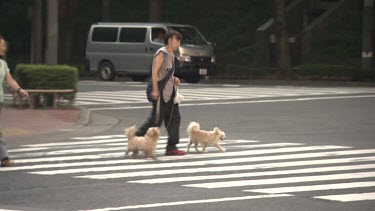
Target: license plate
point(202, 71)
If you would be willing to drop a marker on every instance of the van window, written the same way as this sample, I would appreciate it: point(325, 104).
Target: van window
point(190, 35)
point(104, 34)
point(133, 35)
point(157, 35)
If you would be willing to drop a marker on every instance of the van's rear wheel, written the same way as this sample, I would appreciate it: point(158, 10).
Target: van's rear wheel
point(106, 71)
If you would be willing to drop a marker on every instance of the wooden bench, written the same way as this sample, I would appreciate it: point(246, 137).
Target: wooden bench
point(33, 93)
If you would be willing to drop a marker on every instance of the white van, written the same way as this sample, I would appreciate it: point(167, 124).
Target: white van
point(128, 49)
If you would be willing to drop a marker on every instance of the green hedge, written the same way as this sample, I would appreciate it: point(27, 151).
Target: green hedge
point(303, 72)
point(234, 71)
point(31, 76)
point(333, 72)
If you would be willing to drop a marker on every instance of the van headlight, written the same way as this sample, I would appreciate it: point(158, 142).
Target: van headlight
point(184, 58)
point(213, 59)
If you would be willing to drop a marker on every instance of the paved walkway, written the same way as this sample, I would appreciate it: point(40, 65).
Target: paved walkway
point(25, 122)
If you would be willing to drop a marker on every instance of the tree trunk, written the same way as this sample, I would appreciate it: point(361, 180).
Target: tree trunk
point(155, 6)
point(36, 57)
point(68, 10)
point(283, 55)
point(106, 12)
point(52, 32)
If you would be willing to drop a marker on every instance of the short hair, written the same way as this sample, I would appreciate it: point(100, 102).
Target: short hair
point(170, 34)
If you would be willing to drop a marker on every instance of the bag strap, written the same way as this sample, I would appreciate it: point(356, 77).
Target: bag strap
point(163, 82)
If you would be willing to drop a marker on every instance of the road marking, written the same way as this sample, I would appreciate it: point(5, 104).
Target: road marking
point(98, 137)
point(240, 102)
point(185, 171)
point(349, 197)
point(241, 183)
point(267, 173)
point(76, 143)
point(72, 158)
point(294, 189)
point(66, 165)
point(8, 210)
point(210, 93)
point(262, 166)
point(118, 147)
point(248, 152)
point(202, 201)
point(223, 161)
point(204, 163)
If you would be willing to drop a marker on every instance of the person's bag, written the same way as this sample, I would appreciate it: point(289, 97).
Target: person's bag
point(149, 90)
point(161, 85)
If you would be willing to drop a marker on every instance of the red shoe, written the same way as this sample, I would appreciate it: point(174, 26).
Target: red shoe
point(7, 163)
point(175, 152)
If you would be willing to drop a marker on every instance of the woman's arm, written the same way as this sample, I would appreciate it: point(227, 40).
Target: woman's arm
point(158, 62)
point(14, 85)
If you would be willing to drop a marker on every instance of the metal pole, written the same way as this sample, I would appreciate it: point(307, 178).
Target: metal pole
point(367, 34)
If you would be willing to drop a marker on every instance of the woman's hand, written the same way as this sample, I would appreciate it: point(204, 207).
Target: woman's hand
point(23, 93)
point(155, 94)
point(176, 81)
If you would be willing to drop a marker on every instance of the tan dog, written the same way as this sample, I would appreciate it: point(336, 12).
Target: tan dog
point(146, 144)
point(203, 137)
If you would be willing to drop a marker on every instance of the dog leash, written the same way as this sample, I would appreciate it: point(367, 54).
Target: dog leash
point(170, 118)
point(169, 122)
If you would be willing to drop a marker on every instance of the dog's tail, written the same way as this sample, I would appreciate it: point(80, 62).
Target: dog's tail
point(130, 132)
point(193, 126)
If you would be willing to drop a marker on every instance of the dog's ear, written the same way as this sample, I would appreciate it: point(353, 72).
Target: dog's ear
point(217, 130)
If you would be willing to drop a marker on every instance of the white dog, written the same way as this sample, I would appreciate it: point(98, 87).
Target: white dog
point(146, 144)
point(204, 138)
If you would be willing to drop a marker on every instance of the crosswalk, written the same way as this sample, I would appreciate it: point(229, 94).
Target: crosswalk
point(210, 93)
point(251, 166)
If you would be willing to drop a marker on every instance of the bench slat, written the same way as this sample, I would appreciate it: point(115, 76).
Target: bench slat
point(55, 92)
point(49, 90)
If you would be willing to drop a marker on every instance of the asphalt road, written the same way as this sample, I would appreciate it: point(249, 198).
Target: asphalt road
point(288, 148)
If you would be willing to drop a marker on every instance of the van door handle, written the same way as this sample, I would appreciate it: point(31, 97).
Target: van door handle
point(151, 49)
point(146, 49)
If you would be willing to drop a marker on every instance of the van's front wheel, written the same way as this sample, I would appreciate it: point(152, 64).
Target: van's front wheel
point(106, 71)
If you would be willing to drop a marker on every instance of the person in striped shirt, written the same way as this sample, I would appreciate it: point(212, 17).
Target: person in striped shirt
point(163, 106)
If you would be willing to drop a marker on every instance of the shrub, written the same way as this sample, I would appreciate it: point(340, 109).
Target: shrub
point(234, 71)
point(31, 76)
point(46, 76)
point(330, 72)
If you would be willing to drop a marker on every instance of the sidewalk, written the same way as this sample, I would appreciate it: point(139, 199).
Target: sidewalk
point(16, 123)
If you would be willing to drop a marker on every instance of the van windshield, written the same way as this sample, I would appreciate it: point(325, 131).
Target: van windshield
point(190, 35)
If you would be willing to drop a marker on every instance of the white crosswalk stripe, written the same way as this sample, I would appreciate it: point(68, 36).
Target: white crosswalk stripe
point(220, 93)
point(277, 169)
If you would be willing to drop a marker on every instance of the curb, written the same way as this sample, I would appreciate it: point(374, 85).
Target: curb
point(84, 116)
point(288, 82)
point(263, 82)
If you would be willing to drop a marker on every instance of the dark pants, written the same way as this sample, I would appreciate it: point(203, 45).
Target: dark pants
point(165, 114)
